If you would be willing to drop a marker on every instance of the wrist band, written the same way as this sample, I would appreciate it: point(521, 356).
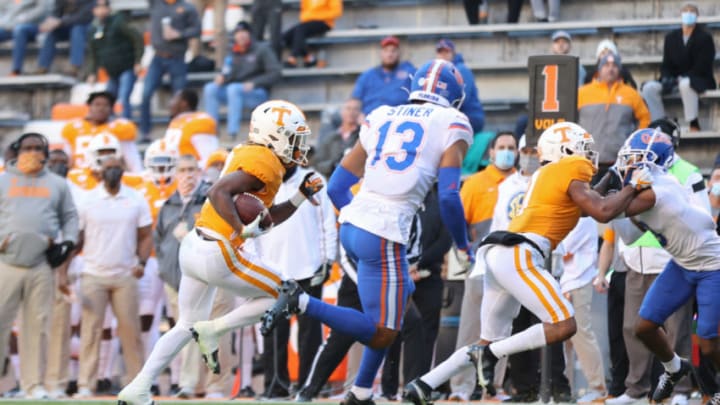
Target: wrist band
point(297, 199)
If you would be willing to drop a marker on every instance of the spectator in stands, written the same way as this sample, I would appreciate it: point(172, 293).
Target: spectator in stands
point(116, 46)
point(307, 260)
point(19, 22)
point(35, 208)
point(514, 8)
point(69, 20)
point(112, 215)
point(610, 110)
point(316, 18)
point(551, 13)
point(268, 12)
point(687, 67)
point(79, 132)
point(331, 148)
point(561, 45)
point(604, 47)
point(245, 80)
point(172, 24)
point(476, 11)
point(220, 39)
point(385, 84)
point(471, 106)
point(191, 132)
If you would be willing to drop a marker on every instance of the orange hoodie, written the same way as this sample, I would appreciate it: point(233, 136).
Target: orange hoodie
point(326, 11)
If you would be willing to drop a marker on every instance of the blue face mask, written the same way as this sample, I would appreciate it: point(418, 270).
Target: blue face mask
point(688, 18)
point(715, 190)
point(505, 159)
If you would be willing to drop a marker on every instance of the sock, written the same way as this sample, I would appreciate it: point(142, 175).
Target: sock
point(454, 364)
point(303, 300)
point(343, 320)
point(361, 393)
point(369, 365)
point(175, 370)
point(672, 366)
point(531, 338)
point(166, 348)
point(247, 357)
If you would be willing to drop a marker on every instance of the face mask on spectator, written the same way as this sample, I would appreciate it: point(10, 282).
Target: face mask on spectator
point(715, 190)
point(688, 18)
point(505, 159)
point(112, 176)
point(529, 164)
point(61, 169)
point(30, 162)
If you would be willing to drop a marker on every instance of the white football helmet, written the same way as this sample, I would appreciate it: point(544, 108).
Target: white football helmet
point(281, 126)
point(101, 146)
point(565, 139)
point(160, 161)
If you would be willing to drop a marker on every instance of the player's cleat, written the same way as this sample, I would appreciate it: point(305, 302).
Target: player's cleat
point(667, 381)
point(133, 395)
point(285, 306)
point(351, 399)
point(484, 361)
point(202, 332)
point(417, 392)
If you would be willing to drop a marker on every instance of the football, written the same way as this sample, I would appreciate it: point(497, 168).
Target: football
point(248, 207)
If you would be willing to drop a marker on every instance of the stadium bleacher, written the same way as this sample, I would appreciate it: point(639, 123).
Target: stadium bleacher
point(497, 54)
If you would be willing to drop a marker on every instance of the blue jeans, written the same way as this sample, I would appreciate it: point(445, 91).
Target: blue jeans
point(236, 99)
point(176, 68)
point(77, 36)
point(21, 35)
point(121, 87)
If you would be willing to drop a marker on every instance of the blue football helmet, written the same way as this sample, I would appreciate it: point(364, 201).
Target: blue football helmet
point(647, 146)
point(438, 82)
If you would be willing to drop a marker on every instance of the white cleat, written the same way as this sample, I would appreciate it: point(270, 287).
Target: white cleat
point(133, 395)
point(204, 335)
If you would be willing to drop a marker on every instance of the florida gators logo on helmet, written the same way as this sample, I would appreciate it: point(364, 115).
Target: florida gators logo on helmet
point(438, 82)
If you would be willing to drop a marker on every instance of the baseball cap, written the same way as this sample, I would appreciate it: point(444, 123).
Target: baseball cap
point(445, 44)
point(242, 26)
point(390, 40)
point(561, 34)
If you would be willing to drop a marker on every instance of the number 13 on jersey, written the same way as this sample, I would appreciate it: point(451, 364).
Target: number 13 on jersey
point(398, 145)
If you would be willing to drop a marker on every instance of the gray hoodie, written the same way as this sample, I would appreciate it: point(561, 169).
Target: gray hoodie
point(183, 18)
point(33, 211)
point(13, 13)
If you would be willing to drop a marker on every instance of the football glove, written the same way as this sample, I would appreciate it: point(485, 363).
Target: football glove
point(311, 185)
point(616, 179)
point(465, 257)
point(321, 274)
point(639, 177)
point(253, 229)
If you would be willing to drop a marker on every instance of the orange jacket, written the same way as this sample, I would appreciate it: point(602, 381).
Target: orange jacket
point(326, 11)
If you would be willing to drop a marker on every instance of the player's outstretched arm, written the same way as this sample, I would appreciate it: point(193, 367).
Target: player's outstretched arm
point(451, 208)
point(602, 209)
point(346, 175)
point(221, 195)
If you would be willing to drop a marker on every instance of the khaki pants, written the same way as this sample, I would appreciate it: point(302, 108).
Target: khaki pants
point(58, 352)
point(32, 290)
point(122, 294)
point(220, 36)
point(584, 341)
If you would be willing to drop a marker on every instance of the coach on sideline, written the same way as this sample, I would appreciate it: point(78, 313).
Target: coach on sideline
point(35, 207)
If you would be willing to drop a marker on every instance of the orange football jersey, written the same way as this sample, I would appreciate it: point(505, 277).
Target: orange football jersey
point(255, 160)
point(85, 180)
point(78, 133)
point(155, 195)
point(193, 133)
point(547, 208)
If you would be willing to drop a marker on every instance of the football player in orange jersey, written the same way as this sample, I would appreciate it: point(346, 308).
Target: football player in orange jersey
point(79, 132)
point(212, 254)
point(558, 194)
point(87, 177)
point(190, 132)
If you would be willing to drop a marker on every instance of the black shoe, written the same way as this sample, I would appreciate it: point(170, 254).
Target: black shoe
point(302, 397)
point(71, 389)
point(351, 399)
point(562, 396)
point(484, 360)
point(714, 400)
point(417, 392)
point(247, 392)
point(155, 390)
point(524, 397)
point(285, 306)
point(667, 381)
point(103, 386)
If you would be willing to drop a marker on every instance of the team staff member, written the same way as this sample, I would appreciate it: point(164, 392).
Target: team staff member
point(35, 206)
point(112, 215)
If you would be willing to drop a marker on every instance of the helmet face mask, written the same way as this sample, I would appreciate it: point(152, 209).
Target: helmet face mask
point(646, 147)
point(160, 162)
point(280, 126)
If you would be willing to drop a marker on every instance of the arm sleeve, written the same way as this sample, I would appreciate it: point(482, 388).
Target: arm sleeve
point(39, 11)
point(272, 70)
point(451, 207)
point(329, 228)
point(69, 215)
point(642, 115)
point(193, 28)
point(666, 65)
point(704, 57)
point(82, 15)
point(339, 187)
point(137, 40)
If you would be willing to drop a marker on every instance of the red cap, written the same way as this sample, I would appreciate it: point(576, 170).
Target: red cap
point(390, 40)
